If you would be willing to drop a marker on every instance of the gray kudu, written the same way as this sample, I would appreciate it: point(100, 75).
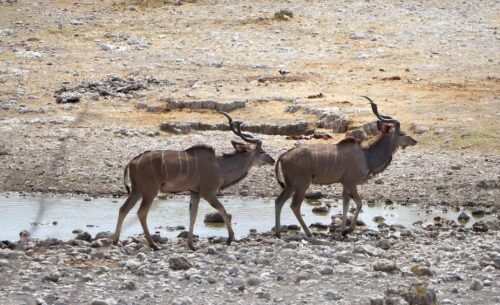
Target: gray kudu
point(197, 170)
point(348, 162)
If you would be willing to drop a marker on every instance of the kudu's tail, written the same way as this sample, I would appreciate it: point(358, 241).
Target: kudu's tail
point(125, 176)
point(277, 172)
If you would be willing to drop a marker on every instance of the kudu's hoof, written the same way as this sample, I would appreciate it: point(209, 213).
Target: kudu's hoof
point(191, 247)
point(229, 240)
point(154, 247)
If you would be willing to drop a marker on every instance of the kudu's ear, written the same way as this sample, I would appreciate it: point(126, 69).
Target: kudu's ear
point(241, 147)
point(385, 128)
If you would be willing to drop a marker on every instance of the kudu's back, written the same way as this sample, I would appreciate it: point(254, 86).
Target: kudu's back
point(324, 163)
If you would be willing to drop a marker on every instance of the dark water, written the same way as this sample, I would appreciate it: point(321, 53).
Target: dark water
point(18, 213)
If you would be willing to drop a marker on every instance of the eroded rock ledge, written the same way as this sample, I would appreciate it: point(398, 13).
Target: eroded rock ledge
point(269, 129)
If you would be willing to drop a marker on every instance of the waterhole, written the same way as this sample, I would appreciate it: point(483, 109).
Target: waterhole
point(60, 216)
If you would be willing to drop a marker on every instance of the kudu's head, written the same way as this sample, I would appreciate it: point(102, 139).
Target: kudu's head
point(254, 148)
point(391, 128)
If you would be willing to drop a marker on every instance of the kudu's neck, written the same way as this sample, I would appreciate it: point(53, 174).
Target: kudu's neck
point(379, 154)
point(236, 167)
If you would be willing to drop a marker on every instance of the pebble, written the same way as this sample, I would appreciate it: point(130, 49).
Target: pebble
point(326, 271)
point(476, 285)
point(331, 295)
point(385, 266)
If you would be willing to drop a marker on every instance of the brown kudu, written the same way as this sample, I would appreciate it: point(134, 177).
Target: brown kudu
point(197, 170)
point(348, 162)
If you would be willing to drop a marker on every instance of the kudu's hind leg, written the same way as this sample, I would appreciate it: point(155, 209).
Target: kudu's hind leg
point(142, 213)
point(346, 197)
point(215, 203)
point(298, 197)
point(193, 211)
point(278, 206)
point(131, 200)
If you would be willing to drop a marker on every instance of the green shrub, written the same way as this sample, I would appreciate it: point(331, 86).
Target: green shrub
point(283, 15)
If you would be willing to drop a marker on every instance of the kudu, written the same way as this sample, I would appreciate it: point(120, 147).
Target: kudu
point(197, 170)
point(349, 162)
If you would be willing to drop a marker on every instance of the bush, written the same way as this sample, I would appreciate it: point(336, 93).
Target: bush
point(283, 15)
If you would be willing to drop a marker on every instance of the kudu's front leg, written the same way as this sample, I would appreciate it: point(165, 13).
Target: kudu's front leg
point(359, 204)
point(214, 202)
point(193, 211)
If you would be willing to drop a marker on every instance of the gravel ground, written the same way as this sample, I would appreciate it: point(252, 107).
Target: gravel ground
point(448, 264)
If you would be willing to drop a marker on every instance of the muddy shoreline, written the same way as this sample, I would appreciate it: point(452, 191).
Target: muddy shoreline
point(92, 166)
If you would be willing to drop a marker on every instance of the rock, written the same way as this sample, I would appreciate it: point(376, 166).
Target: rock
point(52, 277)
point(405, 233)
point(357, 134)
point(378, 219)
point(478, 213)
point(175, 128)
point(463, 217)
point(421, 270)
point(319, 226)
point(233, 270)
point(24, 234)
point(395, 300)
point(215, 217)
point(314, 195)
point(367, 249)
point(7, 32)
point(487, 184)
point(385, 266)
point(211, 280)
point(28, 54)
point(7, 105)
point(320, 210)
point(130, 285)
point(84, 236)
point(216, 64)
point(40, 301)
point(377, 301)
point(302, 277)
point(138, 42)
point(179, 263)
point(370, 128)
point(439, 131)
point(357, 36)
point(418, 129)
point(418, 294)
point(480, 226)
point(326, 271)
point(476, 285)
point(331, 295)
point(68, 97)
point(106, 234)
point(492, 224)
point(253, 281)
point(383, 244)
point(182, 301)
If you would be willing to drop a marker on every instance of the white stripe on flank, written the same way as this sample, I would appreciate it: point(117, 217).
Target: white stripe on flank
point(151, 163)
point(316, 156)
point(163, 163)
point(140, 158)
point(187, 162)
point(327, 157)
point(180, 162)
